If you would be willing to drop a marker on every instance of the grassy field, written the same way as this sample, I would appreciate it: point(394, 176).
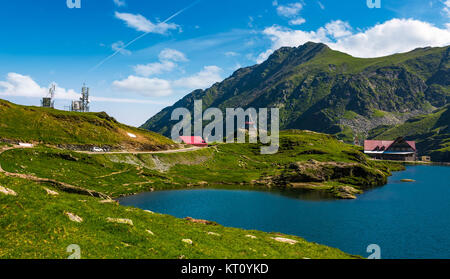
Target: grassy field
point(34, 225)
point(82, 130)
point(225, 166)
point(35, 221)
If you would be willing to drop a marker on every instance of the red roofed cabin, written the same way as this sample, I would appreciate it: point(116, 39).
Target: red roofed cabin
point(398, 150)
point(195, 141)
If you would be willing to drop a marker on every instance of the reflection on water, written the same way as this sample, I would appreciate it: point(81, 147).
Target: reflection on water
point(407, 220)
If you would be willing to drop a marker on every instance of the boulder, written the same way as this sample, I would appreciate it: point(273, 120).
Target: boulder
point(50, 192)
point(7, 191)
point(120, 221)
point(285, 240)
point(73, 217)
point(188, 241)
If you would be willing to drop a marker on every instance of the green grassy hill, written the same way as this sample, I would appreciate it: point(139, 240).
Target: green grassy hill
point(432, 133)
point(327, 165)
point(35, 223)
point(82, 130)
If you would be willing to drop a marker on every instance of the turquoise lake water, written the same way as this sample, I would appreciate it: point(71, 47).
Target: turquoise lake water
point(407, 220)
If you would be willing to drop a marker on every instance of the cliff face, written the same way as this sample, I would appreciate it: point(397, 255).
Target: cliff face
point(323, 90)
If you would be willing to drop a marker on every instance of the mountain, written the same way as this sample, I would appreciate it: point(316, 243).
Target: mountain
point(73, 129)
point(320, 89)
point(432, 133)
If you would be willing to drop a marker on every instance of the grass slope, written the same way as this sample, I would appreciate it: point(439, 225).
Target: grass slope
point(225, 166)
point(432, 133)
point(50, 126)
point(33, 225)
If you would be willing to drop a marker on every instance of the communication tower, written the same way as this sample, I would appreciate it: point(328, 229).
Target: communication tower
point(49, 100)
point(82, 105)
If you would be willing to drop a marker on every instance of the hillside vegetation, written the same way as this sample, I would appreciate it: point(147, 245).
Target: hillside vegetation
point(307, 161)
point(41, 215)
point(73, 129)
point(35, 224)
point(431, 131)
point(319, 89)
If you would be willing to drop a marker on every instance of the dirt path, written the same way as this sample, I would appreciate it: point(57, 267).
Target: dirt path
point(190, 149)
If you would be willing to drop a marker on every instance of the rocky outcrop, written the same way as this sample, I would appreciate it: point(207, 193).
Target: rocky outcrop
point(314, 171)
point(342, 180)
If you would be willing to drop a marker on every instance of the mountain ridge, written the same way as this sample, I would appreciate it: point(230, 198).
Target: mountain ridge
point(320, 89)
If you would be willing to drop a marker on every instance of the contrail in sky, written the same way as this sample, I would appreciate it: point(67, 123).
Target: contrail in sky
point(141, 36)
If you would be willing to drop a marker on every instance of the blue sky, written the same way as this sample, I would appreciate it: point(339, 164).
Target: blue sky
point(45, 41)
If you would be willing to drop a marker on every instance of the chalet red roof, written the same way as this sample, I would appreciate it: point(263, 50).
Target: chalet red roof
point(382, 145)
point(193, 140)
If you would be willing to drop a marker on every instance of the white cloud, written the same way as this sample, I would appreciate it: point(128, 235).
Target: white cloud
point(154, 68)
point(18, 85)
point(447, 8)
point(231, 54)
point(297, 21)
point(155, 87)
point(289, 10)
point(167, 57)
point(119, 46)
point(140, 23)
point(172, 55)
point(338, 29)
point(204, 79)
point(393, 36)
point(119, 3)
point(152, 87)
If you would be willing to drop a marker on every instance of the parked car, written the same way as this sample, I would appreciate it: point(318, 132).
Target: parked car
point(97, 149)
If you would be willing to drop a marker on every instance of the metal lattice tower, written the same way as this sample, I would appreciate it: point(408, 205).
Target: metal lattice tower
point(85, 98)
point(82, 105)
point(49, 100)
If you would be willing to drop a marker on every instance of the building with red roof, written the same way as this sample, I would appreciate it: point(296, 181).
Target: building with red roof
point(399, 149)
point(193, 140)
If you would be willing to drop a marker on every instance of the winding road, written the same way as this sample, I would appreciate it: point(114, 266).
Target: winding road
point(75, 189)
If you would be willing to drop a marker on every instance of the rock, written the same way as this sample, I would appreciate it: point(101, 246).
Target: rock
point(188, 241)
point(346, 192)
point(251, 236)
point(120, 221)
point(150, 232)
point(50, 192)
point(148, 211)
point(108, 201)
point(73, 217)
point(7, 191)
point(285, 240)
point(408, 180)
point(198, 221)
point(213, 233)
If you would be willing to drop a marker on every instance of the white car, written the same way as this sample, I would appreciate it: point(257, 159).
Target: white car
point(97, 149)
